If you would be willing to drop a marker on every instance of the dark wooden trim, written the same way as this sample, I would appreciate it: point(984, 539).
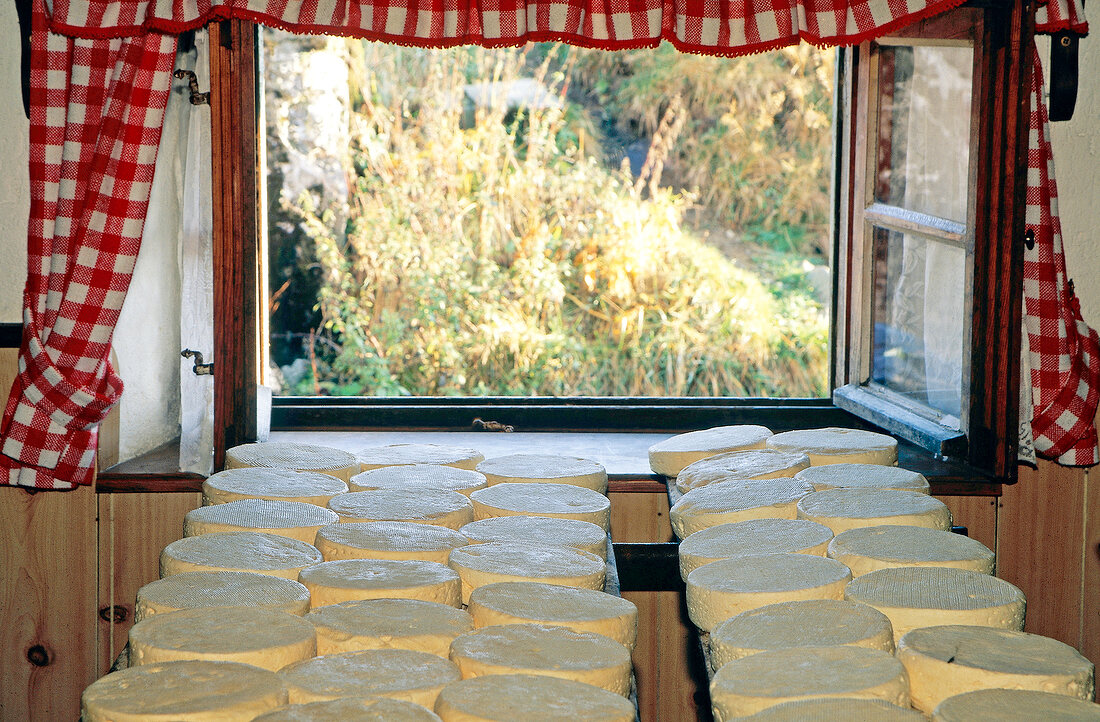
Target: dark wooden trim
point(998, 249)
point(234, 150)
point(11, 335)
point(635, 485)
point(648, 567)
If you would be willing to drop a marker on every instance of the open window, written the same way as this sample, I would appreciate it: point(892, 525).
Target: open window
point(910, 215)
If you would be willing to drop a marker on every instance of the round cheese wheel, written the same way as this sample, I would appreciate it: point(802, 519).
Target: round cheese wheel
point(807, 623)
point(309, 487)
point(388, 624)
point(544, 650)
point(836, 708)
point(481, 564)
point(945, 661)
point(348, 580)
point(421, 506)
point(727, 587)
point(296, 457)
point(727, 502)
point(400, 674)
point(738, 465)
point(863, 476)
point(561, 501)
point(670, 456)
point(1015, 705)
point(238, 551)
point(583, 535)
point(388, 540)
point(755, 536)
point(261, 637)
point(916, 597)
point(352, 710)
point(292, 519)
point(879, 547)
point(545, 468)
point(183, 692)
point(418, 477)
point(582, 610)
point(376, 457)
point(511, 697)
point(836, 446)
point(844, 509)
point(746, 686)
point(191, 590)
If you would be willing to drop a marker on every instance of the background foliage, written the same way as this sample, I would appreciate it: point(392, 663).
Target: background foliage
point(490, 250)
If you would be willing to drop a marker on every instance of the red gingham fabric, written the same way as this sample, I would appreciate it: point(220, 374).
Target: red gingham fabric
point(97, 107)
point(1055, 16)
point(1064, 351)
point(718, 27)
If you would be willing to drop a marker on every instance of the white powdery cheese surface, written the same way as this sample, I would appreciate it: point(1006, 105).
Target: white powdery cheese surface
point(736, 465)
point(727, 502)
point(670, 456)
point(836, 445)
point(296, 457)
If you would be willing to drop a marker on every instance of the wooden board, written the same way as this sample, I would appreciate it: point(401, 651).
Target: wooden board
point(978, 514)
point(639, 517)
point(1090, 589)
point(47, 597)
point(133, 529)
point(1040, 545)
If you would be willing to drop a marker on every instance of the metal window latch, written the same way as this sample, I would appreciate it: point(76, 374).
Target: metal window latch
point(479, 425)
point(199, 368)
point(197, 98)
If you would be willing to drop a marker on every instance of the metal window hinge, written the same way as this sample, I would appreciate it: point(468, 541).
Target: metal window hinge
point(197, 98)
point(200, 368)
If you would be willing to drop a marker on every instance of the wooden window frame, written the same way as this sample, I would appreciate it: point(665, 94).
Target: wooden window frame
point(990, 457)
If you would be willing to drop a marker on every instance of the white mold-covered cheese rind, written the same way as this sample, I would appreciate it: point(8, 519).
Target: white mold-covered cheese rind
point(482, 564)
point(863, 476)
point(670, 456)
point(419, 476)
point(835, 445)
point(582, 610)
point(739, 465)
point(183, 692)
point(751, 684)
point(388, 624)
point(512, 697)
point(728, 502)
point(292, 519)
point(728, 587)
point(949, 660)
point(400, 674)
point(583, 535)
point(309, 487)
point(388, 540)
point(420, 506)
point(916, 597)
point(755, 536)
point(545, 469)
point(562, 501)
point(349, 580)
point(870, 548)
point(243, 551)
point(377, 457)
point(806, 623)
point(191, 590)
point(1014, 705)
point(260, 637)
point(296, 457)
point(544, 650)
point(844, 509)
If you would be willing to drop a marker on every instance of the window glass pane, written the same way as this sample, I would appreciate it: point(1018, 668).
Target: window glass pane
point(919, 311)
point(924, 129)
point(547, 221)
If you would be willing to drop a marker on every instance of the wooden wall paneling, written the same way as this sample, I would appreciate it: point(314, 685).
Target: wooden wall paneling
point(978, 514)
point(666, 652)
point(1090, 590)
point(1040, 544)
point(47, 598)
point(133, 529)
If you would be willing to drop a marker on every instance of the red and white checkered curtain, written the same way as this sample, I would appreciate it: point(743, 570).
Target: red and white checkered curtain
point(715, 27)
point(97, 106)
point(1064, 353)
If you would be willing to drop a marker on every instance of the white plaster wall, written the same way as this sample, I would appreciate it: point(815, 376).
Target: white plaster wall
point(14, 187)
